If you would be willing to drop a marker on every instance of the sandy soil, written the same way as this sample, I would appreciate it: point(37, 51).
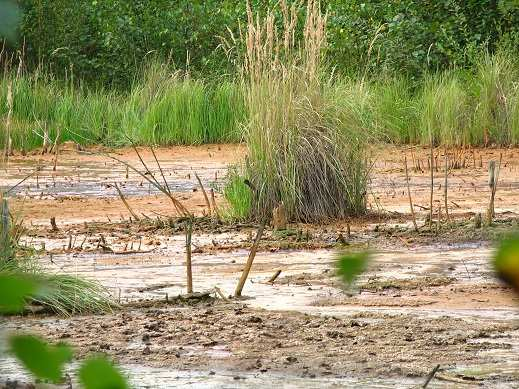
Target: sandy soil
point(428, 298)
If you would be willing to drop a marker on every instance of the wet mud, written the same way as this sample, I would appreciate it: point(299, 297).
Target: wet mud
point(427, 298)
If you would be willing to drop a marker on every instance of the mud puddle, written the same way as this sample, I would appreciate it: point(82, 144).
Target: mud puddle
point(436, 281)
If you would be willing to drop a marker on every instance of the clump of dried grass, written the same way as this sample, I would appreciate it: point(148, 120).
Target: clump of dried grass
point(301, 151)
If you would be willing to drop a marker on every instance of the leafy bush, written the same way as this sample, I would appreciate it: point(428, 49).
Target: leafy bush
point(107, 41)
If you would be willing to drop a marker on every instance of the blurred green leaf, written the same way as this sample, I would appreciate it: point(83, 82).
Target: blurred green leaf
point(506, 261)
point(10, 16)
point(14, 289)
point(99, 373)
point(41, 359)
point(351, 265)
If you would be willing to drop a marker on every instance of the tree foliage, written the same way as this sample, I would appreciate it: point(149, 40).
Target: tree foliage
point(107, 41)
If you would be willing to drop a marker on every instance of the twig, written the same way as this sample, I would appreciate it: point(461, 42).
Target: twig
point(207, 203)
point(274, 277)
point(123, 199)
point(252, 255)
point(189, 233)
point(220, 293)
point(409, 195)
point(445, 186)
point(430, 376)
point(177, 204)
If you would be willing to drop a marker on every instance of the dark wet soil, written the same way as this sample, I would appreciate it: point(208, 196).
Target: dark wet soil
point(215, 335)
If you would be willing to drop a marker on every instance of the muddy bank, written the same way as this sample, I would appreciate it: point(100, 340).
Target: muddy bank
point(428, 297)
point(238, 338)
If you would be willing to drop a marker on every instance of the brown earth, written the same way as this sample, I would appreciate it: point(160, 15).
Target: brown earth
point(406, 314)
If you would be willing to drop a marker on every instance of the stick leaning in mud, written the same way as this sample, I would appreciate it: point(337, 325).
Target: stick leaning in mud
point(409, 195)
point(252, 255)
point(189, 271)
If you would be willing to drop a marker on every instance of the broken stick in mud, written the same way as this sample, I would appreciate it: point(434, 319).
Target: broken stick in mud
point(409, 195)
point(252, 255)
point(189, 233)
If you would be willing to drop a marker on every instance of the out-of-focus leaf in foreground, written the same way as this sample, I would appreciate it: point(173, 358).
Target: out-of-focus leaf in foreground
point(14, 290)
point(44, 361)
point(506, 261)
point(99, 373)
point(351, 265)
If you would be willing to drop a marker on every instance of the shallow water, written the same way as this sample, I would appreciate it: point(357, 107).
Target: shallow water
point(154, 275)
point(96, 179)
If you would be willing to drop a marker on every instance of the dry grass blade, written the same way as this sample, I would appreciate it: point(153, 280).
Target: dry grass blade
point(146, 175)
point(207, 203)
point(123, 199)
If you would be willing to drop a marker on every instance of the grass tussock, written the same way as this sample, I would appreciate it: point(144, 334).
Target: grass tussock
point(59, 293)
point(302, 149)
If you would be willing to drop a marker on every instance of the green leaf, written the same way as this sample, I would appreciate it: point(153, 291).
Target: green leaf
point(10, 16)
point(99, 373)
point(41, 359)
point(14, 289)
point(506, 261)
point(349, 265)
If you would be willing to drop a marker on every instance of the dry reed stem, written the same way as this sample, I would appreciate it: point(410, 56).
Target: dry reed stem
point(123, 199)
point(153, 181)
point(250, 260)
point(213, 204)
point(207, 203)
point(8, 142)
point(432, 184)
point(409, 195)
point(445, 186)
point(189, 271)
point(56, 150)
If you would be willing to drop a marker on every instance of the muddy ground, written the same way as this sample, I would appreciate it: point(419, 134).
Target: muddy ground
point(428, 297)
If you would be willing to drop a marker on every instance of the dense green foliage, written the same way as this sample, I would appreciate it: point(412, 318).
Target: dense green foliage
point(410, 36)
point(107, 41)
point(163, 108)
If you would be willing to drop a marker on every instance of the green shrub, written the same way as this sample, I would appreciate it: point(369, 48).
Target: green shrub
point(107, 41)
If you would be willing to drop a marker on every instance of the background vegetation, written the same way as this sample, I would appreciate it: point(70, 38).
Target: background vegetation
point(107, 41)
point(169, 73)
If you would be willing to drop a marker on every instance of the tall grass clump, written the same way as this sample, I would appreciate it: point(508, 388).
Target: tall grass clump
point(395, 110)
point(300, 150)
point(494, 86)
point(444, 111)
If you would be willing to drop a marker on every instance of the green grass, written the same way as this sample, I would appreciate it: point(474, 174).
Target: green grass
point(469, 107)
point(444, 112)
point(238, 196)
point(162, 109)
point(59, 293)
